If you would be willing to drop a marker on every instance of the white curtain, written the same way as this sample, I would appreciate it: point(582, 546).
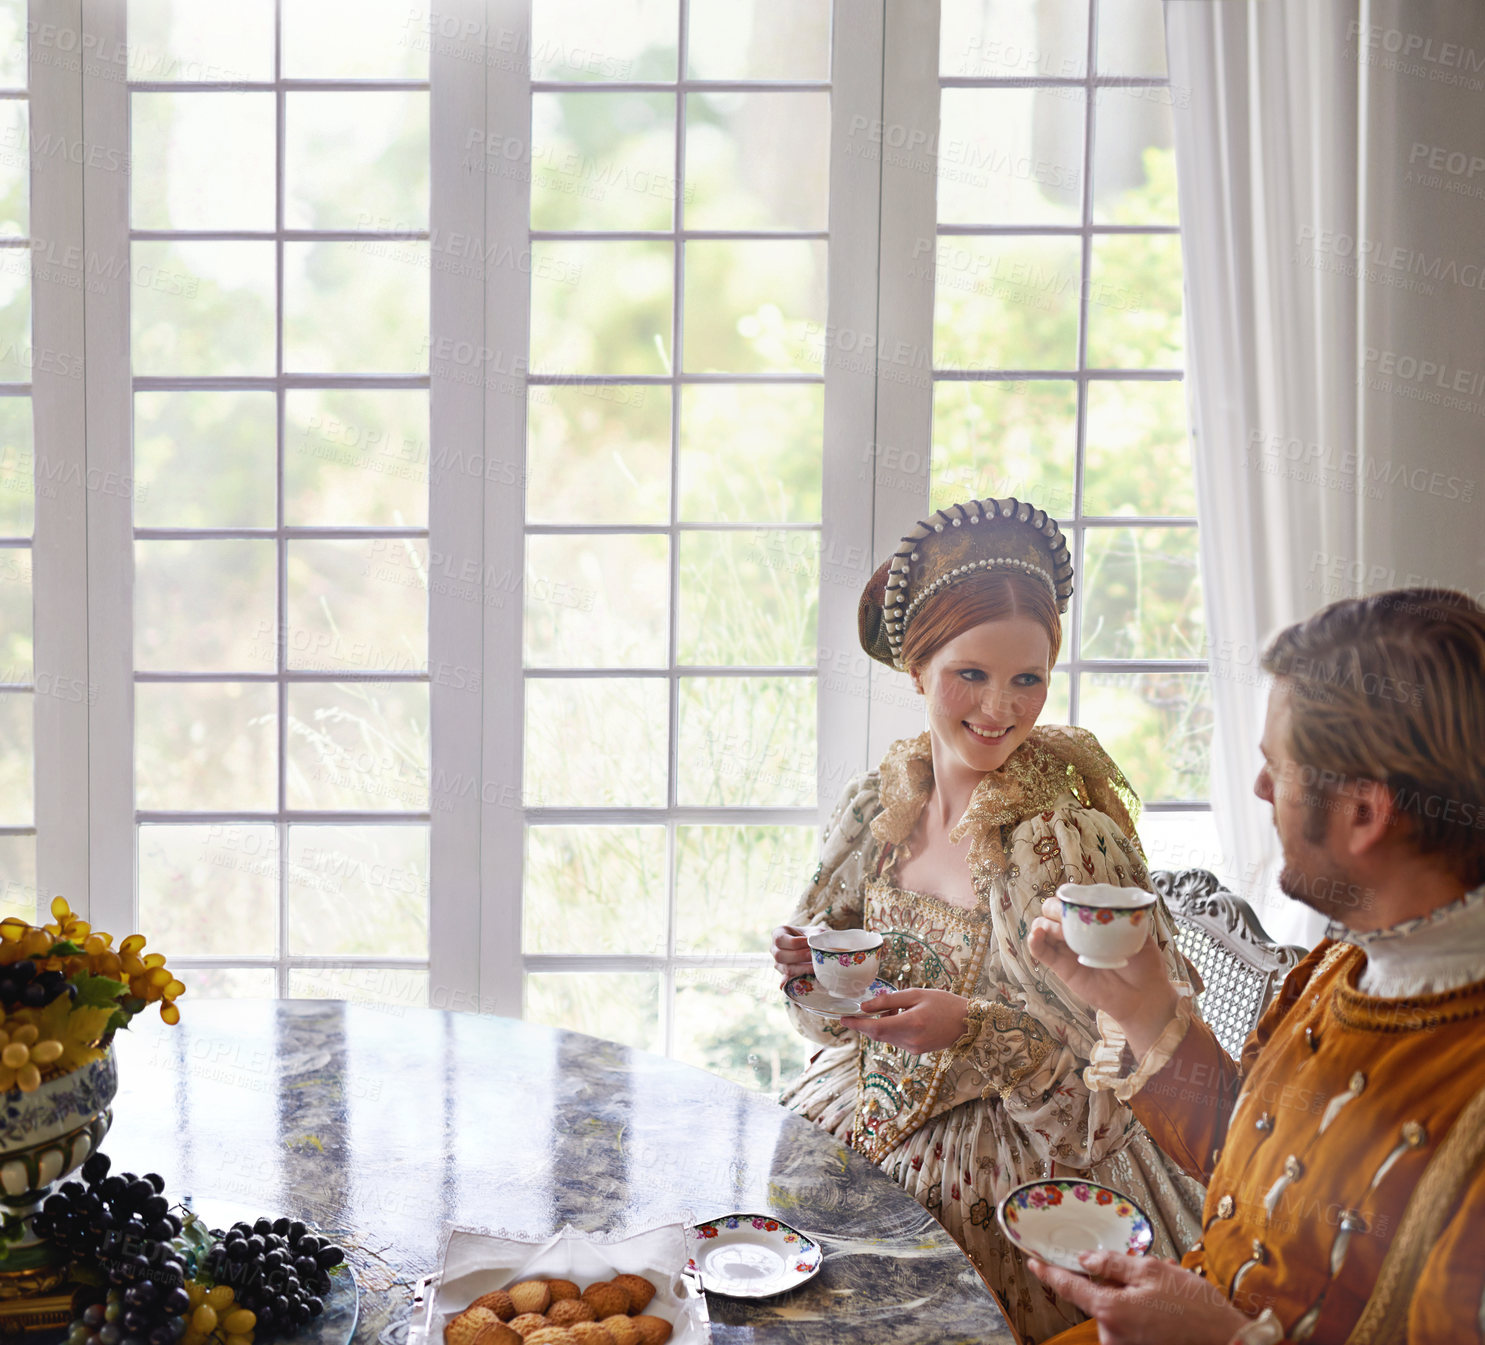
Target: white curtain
point(1331, 166)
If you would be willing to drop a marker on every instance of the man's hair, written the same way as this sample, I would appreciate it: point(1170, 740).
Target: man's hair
point(1391, 688)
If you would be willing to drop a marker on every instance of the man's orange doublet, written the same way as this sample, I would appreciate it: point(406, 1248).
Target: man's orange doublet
point(1313, 1145)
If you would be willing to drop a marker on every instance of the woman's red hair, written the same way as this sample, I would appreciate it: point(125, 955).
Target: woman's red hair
point(992, 595)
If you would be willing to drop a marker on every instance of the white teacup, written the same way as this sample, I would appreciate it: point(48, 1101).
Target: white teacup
point(1103, 924)
point(845, 960)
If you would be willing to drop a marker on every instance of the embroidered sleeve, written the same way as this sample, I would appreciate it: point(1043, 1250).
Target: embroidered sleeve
point(834, 895)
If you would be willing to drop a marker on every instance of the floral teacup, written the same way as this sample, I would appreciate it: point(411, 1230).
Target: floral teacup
point(845, 960)
point(1105, 925)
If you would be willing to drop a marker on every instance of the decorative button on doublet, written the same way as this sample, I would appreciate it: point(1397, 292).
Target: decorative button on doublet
point(1260, 1252)
point(1312, 1039)
point(1358, 1082)
point(1264, 1123)
point(1225, 1207)
point(1414, 1133)
point(1293, 1168)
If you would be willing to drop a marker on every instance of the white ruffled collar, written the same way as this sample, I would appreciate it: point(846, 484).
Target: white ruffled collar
point(1426, 955)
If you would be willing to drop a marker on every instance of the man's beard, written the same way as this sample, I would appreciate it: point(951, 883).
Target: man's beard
point(1319, 884)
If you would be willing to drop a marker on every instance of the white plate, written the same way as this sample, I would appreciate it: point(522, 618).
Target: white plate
point(806, 992)
point(1055, 1220)
point(751, 1255)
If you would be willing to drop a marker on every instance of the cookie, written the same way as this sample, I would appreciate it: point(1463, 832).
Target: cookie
point(562, 1289)
point(570, 1311)
point(652, 1330)
point(498, 1302)
point(468, 1324)
point(528, 1322)
point(499, 1334)
point(621, 1330)
point(592, 1333)
point(641, 1291)
point(530, 1296)
point(606, 1298)
point(551, 1335)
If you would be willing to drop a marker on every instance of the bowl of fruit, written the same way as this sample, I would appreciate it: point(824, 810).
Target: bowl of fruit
point(65, 990)
point(150, 1272)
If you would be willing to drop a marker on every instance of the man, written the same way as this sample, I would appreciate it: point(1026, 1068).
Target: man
point(1343, 1153)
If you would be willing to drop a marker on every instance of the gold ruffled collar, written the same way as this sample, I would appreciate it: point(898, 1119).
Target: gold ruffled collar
point(1054, 760)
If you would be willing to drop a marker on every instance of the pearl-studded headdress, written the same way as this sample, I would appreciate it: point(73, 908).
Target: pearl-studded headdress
point(957, 543)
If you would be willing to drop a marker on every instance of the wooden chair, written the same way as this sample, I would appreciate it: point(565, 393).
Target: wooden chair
point(1241, 966)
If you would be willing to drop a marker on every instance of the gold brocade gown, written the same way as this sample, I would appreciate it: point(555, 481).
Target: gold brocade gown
point(958, 1128)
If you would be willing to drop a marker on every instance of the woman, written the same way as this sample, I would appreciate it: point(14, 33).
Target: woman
point(974, 1082)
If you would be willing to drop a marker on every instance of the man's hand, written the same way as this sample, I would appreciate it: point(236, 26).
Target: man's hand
point(791, 953)
point(1138, 995)
point(1144, 1300)
point(916, 1020)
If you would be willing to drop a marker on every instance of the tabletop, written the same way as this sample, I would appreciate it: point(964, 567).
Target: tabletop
point(389, 1125)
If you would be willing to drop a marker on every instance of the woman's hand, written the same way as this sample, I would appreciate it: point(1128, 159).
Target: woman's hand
point(791, 954)
point(1138, 995)
point(916, 1020)
point(1142, 1298)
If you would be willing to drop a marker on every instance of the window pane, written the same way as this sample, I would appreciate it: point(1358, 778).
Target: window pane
point(15, 165)
point(360, 746)
point(185, 40)
point(1141, 594)
point(1006, 303)
point(1056, 711)
point(984, 38)
point(734, 884)
point(1157, 726)
point(601, 308)
point(622, 726)
point(13, 44)
point(357, 307)
point(1010, 156)
point(204, 459)
point(747, 740)
point(230, 982)
point(1177, 841)
point(201, 160)
point(18, 877)
point(1134, 162)
point(358, 891)
point(623, 1007)
point(359, 39)
point(757, 160)
point(760, 39)
point(356, 160)
point(359, 606)
point(598, 453)
point(394, 986)
point(1131, 38)
point(595, 890)
point(209, 890)
point(17, 744)
point(205, 606)
point(1138, 455)
point(1134, 303)
point(604, 39)
point(202, 308)
point(749, 598)
point(997, 438)
point(17, 467)
point(205, 747)
point(752, 306)
point(732, 1022)
point(356, 456)
point(17, 357)
point(597, 601)
point(15, 614)
point(751, 453)
point(602, 160)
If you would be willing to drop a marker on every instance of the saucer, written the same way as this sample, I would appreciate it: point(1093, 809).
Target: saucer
point(750, 1255)
point(814, 998)
point(1055, 1220)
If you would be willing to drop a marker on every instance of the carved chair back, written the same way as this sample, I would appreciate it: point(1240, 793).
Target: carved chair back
point(1242, 968)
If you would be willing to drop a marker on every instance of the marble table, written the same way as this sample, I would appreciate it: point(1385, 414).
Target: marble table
point(387, 1126)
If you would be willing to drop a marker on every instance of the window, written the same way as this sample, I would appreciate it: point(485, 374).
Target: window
point(491, 419)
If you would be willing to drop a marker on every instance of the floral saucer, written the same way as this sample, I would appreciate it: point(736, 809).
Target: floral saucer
point(751, 1256)
point(1055, 1220)
point(812, 997)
